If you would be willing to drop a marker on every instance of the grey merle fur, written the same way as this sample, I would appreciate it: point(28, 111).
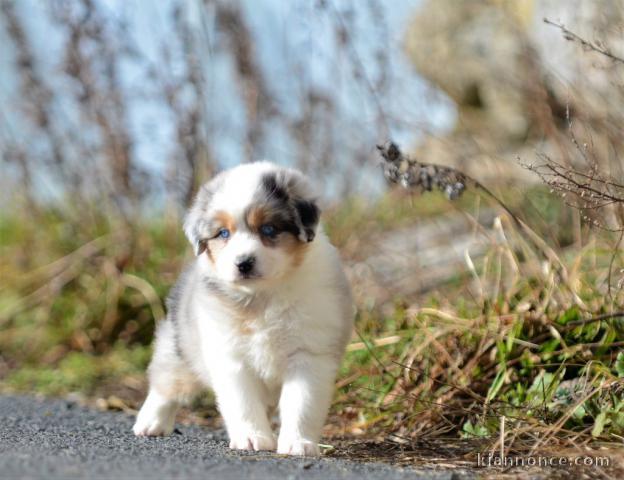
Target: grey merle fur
point(172, 303)
point(291, 211)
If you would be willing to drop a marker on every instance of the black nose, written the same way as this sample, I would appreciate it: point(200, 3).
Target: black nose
point(246, 264)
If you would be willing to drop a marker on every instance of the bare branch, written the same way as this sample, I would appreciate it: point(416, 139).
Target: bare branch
point(569, 35)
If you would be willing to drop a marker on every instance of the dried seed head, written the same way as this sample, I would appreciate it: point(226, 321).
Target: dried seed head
point(410, 173)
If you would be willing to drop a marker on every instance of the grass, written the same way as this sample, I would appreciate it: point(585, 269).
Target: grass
point(535, 339)
point(84, 373)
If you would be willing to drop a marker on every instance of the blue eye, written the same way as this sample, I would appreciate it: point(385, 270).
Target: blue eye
point(224, 233)
point(268, 230)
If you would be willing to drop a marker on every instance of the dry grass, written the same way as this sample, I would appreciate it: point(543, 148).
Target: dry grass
point(535, 340)
point(532, 338)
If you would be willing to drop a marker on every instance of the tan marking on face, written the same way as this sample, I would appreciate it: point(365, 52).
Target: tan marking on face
point(256, 217)
point(209, 252)
point(294, 247)
point(215, 245)
point(225, 220)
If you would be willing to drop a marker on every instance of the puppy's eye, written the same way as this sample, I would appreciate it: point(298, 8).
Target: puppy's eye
point(268, 231)
point(223, 233)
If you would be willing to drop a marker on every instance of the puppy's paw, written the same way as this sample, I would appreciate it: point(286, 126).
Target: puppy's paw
point(298, 446)
point(253, 442)
point(152, 426)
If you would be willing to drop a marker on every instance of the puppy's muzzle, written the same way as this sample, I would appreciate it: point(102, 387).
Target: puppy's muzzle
point(246, 264)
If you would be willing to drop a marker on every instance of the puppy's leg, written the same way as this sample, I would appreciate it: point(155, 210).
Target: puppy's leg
point(305, 399)
point(243, 403)
point(157, 415)
point(171, 383)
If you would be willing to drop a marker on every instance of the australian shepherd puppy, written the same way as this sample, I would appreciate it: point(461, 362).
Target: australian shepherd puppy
point(262, 315)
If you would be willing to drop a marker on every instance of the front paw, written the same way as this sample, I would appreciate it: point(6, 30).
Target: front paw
point(252, 442)
point(152, 426)
point(298, 446)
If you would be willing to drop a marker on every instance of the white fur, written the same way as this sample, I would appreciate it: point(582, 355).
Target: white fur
point(283, 351)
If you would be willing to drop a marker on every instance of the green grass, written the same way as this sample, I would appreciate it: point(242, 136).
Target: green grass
point(80, 372)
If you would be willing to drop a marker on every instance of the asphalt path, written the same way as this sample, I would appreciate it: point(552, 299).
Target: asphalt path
point(58, 439)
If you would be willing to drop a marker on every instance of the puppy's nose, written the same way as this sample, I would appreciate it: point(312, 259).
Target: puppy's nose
point(246, 264)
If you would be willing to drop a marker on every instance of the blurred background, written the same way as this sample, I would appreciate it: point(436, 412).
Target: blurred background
point(113, 113)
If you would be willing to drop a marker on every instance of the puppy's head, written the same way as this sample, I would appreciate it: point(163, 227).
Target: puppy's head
point(253, 223)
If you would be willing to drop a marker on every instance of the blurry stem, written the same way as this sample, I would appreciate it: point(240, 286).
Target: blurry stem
point(359, 66)
point(146, 289)
point(475, 275)
point(38, 104)
point(576, 225)
point(79, 255)
point(258, 101)
point(615, 254)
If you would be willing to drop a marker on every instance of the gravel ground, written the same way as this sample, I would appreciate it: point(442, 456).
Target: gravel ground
point(58, 439)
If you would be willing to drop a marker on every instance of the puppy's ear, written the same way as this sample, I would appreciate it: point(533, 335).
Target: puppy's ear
point(196, 225)
point(308, 214)
point(303, 199)
point(290, 191)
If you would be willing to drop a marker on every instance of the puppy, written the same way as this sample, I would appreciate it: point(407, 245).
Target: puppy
point(262, 315)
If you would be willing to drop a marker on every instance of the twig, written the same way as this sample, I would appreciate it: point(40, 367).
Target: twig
point(615, 253)
point(597, 318)
point(570, 35)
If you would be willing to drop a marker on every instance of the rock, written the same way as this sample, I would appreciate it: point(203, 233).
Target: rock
point(476, 52)
point(513, 77)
